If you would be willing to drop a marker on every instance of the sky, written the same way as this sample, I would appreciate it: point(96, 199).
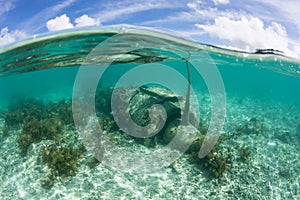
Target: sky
point(236, 24)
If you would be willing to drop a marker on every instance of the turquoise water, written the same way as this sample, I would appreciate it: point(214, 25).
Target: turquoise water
point(259, 139)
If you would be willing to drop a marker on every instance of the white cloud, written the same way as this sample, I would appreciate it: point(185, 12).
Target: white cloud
point(64, 22)
point(37, 22)
point(206, 12)
point(7, 37)
point(216, 2)
point(118, 9)
point(295, 47)
point(284, 10)
point(85, 20)
point(62, 5)
point(198, 11)
point(59, 23)
point(6, 5)
point(258, 24)
point(249, 33)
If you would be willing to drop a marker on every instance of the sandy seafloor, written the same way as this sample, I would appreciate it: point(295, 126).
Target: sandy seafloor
point(272, 171)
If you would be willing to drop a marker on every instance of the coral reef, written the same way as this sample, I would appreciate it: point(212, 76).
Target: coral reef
point(34, 131)
point(103, 101)
point(39, 120)
point(13, 117)
point(214, 162)
point(195, 146)
point(18, 111)
point(107, 124)
point(62, 110)
point(244, 153)
point(202, 128)
point(253, 126)
point(93, 162)
point(46, 121)
point(62, 159)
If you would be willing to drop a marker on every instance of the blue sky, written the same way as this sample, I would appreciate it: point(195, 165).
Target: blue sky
point(238, 24)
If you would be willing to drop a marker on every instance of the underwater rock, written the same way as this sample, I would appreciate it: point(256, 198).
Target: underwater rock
point(130, 105)
point(171, 130)
point(146, 97)
point(150, 115)
point(140, 101)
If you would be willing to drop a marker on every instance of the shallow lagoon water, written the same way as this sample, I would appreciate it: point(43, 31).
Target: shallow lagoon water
point(259, 140)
